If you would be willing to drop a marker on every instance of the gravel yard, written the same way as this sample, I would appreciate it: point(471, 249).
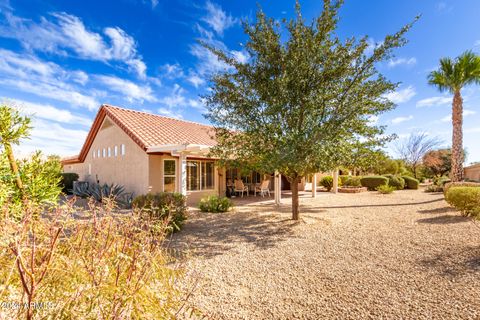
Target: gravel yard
point(353, 256)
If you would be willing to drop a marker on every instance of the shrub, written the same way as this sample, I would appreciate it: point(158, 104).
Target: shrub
point(386, 189)
point(102, 266)
point(67, 182)
point(215, 204)
point(465, 199)
point(327, 182)
point(459, 184)
point(434, 188)
point(396, 181)
point(373, 182)
point(410, 183)
point(343, 179)
point(106, 191)
point(165, 208)
point(353, 181)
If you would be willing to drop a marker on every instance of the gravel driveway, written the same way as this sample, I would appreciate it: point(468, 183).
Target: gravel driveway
point(353, 256)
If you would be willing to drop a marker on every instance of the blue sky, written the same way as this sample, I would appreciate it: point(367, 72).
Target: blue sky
point(62, 59)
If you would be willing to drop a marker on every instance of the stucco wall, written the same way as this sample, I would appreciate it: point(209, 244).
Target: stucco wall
point(130, 170)
point(473, 173)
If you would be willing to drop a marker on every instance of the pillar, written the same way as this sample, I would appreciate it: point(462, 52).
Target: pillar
point(183, 174)
point(314, 185)
point(335, 181)
point(278, 188)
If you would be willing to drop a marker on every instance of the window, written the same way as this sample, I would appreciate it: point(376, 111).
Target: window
point(104, 152)
point(169, 176)
point(94, 154)
point(115, 151)
point(200, 175)
point(98, 153)
point(109, 152)
point(122, 149)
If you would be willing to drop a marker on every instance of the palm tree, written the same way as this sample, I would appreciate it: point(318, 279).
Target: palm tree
point(452, 76)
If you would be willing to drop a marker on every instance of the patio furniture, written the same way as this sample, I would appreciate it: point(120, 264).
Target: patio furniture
point(263, 188)
point(240, 187)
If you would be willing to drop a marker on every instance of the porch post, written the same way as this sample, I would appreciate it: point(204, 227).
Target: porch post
point(314, 185)
point(335, 180)
point(278, 188)
point(183, 174)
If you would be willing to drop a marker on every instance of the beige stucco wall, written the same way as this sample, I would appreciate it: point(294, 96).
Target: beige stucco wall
point(473, 173)
point(130, 170)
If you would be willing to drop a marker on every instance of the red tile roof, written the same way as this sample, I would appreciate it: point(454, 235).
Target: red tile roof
point(147, 130)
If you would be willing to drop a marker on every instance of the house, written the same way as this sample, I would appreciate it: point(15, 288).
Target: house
point(151, 153)
point(472, 172)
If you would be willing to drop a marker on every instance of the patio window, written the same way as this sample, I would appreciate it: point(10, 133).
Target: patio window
point(169, 176)
point(200, 175)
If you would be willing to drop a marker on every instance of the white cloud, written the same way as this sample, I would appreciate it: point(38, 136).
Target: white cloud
point(472, 130)
point(240, 56)
point(218, 19)
point(398, 120)
point(169, 112)
point(402, 61)
point(172, 71)
point(434, 101)
point(208, 63)
point(67, 34)
point(51, 113)
point(466, 113)
point(373, 120)
point(401, 96)
point(195, 80)
point(131, 91)
point(154, 3)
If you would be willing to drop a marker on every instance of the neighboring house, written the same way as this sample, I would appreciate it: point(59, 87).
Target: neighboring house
point(472, 172)
point(151, 153)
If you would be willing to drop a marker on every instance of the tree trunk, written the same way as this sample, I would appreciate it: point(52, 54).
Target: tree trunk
point(14, 167)
point(457, 137)
point(294, 186)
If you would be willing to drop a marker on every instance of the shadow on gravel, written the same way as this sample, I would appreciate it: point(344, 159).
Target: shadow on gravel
point(210, 234)
point(384, 204)
point(455, 262)
point(438, 210)
point(445, 219)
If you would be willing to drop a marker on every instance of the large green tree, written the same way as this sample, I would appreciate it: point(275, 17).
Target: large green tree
point(302, 99)
point(452, 76)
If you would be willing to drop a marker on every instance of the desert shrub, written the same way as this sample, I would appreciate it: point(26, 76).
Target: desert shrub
point(215, 204)
point(396, 181)
point(343, 179)
point(100, 267)
point(99, 192)
point(353, 181)
point(386, 189)
point(449, 185)
point(410, 183)
point(434, 188)
point(441, 181)
point(373, 182)
point(67, 181)
point(165, 208)
point(465, 199)
point(327, 182)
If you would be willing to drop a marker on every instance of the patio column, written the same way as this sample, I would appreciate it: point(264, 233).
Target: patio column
point(183, 174)
point(314, 185)
point(278, 188)
point(335, 181)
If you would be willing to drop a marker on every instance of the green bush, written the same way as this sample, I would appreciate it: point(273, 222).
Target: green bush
point(434, 188)
point(165, 207)
point(215, 204)
point(459, 184)
point(410, 183)
point(353, 181)
point(327, 182)
point(373, 182)
point(67, 182)
point(465, 199)
point(343, 179)
point(395, 181)
point(386, 189)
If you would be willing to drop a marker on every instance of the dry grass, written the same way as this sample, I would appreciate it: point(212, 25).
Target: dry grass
point(367, 255)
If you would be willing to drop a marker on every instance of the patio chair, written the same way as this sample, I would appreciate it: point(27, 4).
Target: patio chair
point(263, 188)
point(240, 187)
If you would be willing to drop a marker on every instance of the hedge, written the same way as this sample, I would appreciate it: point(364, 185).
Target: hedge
point(373, 182)
point(459, 184)
point(67, 181)
point(465, 199)
point(395, 181)
point(411, 183)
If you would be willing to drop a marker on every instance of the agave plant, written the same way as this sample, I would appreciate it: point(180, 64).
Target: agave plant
point(99, 192)
point(81, 189)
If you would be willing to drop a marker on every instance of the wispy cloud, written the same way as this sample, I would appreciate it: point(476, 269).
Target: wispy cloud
point(402, 95)
point(131, 91)
point(398, 120)
point(466, 113)
point(434, 101)
point(217, 18)
point(402, 61)
point(66, 34)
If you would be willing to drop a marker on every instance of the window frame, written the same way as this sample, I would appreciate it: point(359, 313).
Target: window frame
point(200, 175)
point(174, 176)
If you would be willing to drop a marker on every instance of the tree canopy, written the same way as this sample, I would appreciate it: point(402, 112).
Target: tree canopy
point(304, 97)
